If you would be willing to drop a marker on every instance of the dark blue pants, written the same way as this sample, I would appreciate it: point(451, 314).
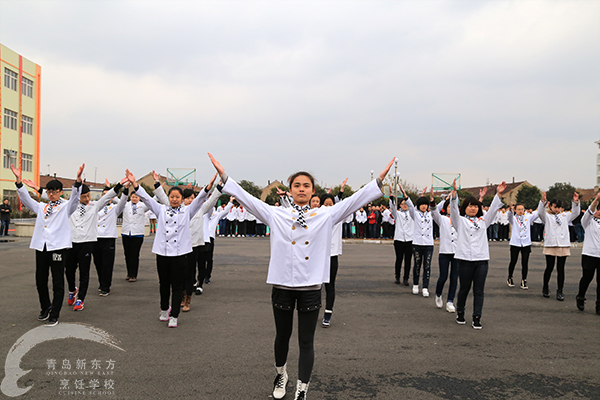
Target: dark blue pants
point(472, 273)
point(447, 262)
point(4, 227)
point(422, 256)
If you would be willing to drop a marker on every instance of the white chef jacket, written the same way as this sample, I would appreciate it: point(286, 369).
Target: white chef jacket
point(173, 226)
point(107, 218)
point(361, 217)
point(134, 224)
point(405, 227)
point(591, 241)
point(300, 256)
point(84, 224)
point(472, 241)
point(556, 226)
point(232, 215)
point(213, 221)
point(197, 221)
point(423, 223)
point(447, 231)
point(52, 231)
point(521, 228)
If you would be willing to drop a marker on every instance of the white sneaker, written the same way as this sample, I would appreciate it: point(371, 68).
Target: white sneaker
point(301, 389)
point(450, 307)
point(164, 315)
point(172, 322)
point(438, 301)
point(425, 292)
point(280, 383)
point(415, 289)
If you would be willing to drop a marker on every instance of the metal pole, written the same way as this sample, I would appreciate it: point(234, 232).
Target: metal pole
point(372, 174)
point(395, 179)
point(95, 174)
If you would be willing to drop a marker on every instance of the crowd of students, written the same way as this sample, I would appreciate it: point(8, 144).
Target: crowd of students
point(306, 234)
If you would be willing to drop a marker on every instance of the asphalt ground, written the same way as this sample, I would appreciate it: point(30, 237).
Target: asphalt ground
point(383, 343)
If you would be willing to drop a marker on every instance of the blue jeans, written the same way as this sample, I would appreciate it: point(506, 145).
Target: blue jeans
point(4, 228)
point(495, 229)
point(447, 261)
point(471, 273)
point(422, 256)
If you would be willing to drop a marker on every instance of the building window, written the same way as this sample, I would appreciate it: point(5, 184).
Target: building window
point(10, 79)
point(27, 160)
point(10, 119)
point(27, 87)
point(10, 157)
point(27, 125)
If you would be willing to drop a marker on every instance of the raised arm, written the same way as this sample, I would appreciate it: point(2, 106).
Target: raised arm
point(542, 209)
point(368, 193)
point(589, 214)
point(148, 201)
point(575, 208)
point(22, 191)
point(495, 206)
point(436, 212)
point(75, 192)
point(258, 208)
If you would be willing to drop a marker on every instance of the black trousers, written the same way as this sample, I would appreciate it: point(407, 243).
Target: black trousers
point(131, 247)
point(104, 260)
point(171, 279)
point(46, 261)
point(209, 263)
point(590, 266)
point(231, 227)
point(330, 287)
point(403, 252)
point(196, 259)
point(514, 256)
point(251, 228)
point(560, 267)
point(80, 256)
point(241, 227)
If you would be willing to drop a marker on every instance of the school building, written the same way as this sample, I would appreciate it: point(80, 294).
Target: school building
point(20, 125)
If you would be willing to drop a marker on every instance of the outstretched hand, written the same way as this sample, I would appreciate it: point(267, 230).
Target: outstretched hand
point(31, 184)
point(155, 176)
point(106, 183)
point(131, 178)
point(576, 197)
point(343, 185)
point(501, 188)
point(212, 182)
point(17, 172)
point(544, 198)
point(80, 172)
point(217, 165)
point(431, 198)
point(453, 194)
point(386, 169)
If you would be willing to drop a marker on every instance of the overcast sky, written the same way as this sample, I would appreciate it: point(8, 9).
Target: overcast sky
point(489, 89)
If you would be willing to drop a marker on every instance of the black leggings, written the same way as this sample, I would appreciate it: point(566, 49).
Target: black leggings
point(514, 256)
point(560, 267)
point(307, 323)
point(403, 252)
point(590, 266)
point(330, 287)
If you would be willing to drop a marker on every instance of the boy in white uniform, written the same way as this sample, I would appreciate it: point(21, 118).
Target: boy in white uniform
point(51, 239)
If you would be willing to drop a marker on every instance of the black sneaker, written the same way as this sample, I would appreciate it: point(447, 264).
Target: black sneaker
point(397, 281)
point(199, 290)
point(460, 318)
point(524, 284)
point(405, 282)
point(546, 293)
point(477, 323)
point(510, 282)
point(580, 303)
point(326, 319)
point(52, 322)
point(560, 296)
point(44, 314)
point(104, 293)
point(207, 281)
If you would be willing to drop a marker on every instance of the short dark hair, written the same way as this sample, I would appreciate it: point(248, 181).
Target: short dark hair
point(187, 193)
point(176, 188)
point(85, 189)
point(421, 201)
point(327, 196)
point(445, 207)
point(293, 177)
point(54, 184)
point(467, 202)
point(556, 203)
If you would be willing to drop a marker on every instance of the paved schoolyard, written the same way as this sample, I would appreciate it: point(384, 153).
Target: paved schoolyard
point(384, 342)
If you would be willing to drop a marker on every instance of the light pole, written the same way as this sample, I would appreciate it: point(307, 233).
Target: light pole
point(95, 173)
point(372, 174)
point(395, 178)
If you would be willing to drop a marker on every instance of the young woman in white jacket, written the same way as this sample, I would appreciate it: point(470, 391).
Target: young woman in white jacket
point(590, 255)
point(557, 244)
point(172, 244)
point(472, 249)
point(299, 264)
